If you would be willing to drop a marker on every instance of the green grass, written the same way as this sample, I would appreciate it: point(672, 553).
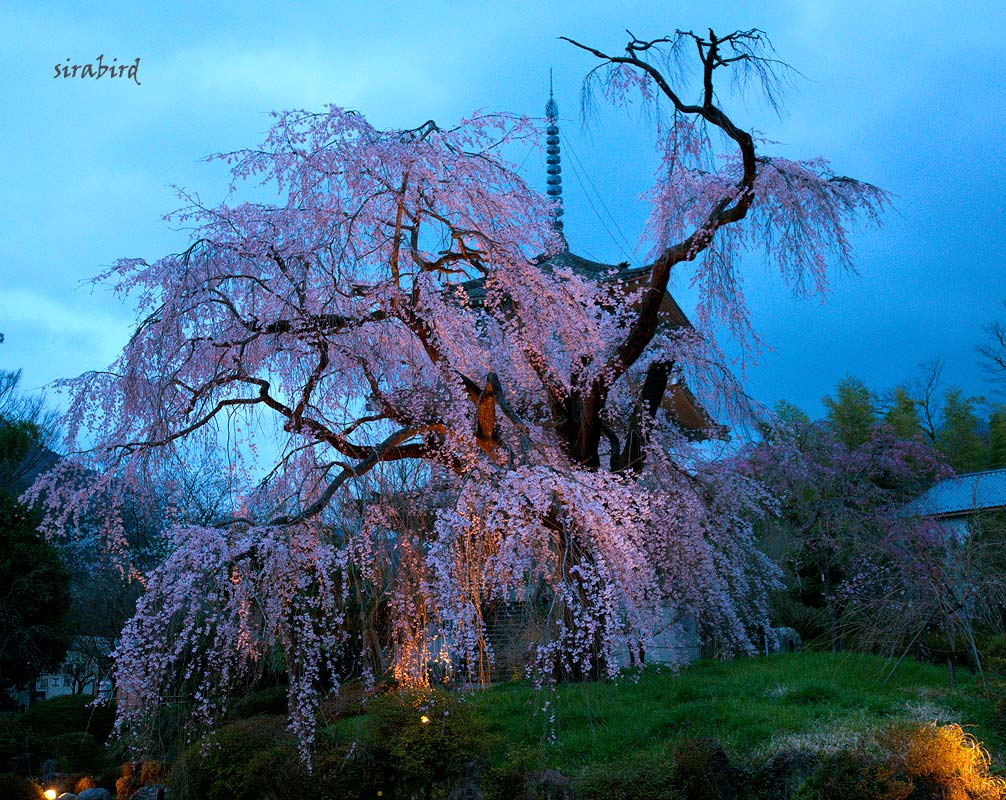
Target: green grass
point(751, 706)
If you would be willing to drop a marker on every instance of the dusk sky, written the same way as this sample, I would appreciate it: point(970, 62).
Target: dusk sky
point(913, 101)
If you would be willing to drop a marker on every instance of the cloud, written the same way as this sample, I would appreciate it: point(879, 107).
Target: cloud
point(51, 339)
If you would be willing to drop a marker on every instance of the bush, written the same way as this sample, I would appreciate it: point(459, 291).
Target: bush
point(511, 779)
point(19, 746)
point(70, 713)
point(253, 758)
point(907, 762)
point(262, 702)
point(14, 787)
point(80, 782)
point(136, 774)
point(351, 700)
point(853, 775)
point(701, 770)
point(108, 780)
point(776, 776)
point(641, 777)
point(695, 769)
point(996, 698)
point(993, 654)
point(74, 751)
point(943, 761)
point(419, 740)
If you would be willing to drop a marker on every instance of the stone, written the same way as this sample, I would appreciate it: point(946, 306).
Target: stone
point(94, 794)
point(150, 793)
point(548, 784)
point(785, 640)
point(469, 785)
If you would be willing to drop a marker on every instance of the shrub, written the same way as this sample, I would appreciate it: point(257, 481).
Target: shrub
point(641, 777)
point(943, 761)
point(907, 762)
point(351, 700)
point(510, 779)
point(136, 774)
point(701, 770)
point(268, 701)
point(993, 654)
point(14, 787)
point(70, 713)
point(996, 699)
point(74, 751)
point(778, 775)
point(341, 773)
point(419, 740)
point(19, 746)
point(853, 775)
point(108, 780)
point(253, 758)
point(80, 782)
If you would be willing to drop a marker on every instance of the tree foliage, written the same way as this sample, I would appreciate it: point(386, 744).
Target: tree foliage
point(959, 437)
point(34, 583)
point(903, 415)
point(841, 531)
point(397, 306)
point(852, 413)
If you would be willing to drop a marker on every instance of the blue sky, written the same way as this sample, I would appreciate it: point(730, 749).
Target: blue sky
point(914, 102)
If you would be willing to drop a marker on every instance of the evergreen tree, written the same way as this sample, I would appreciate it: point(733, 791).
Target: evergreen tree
point(853, 414)
point(903, 416)
point(34, 583)
point(997, 438)
point(34, 597)
point(959, 437)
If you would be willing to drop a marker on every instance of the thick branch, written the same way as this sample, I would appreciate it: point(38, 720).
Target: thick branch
point(382, 452)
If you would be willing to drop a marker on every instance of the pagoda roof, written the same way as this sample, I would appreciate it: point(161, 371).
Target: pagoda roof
point(679, 401)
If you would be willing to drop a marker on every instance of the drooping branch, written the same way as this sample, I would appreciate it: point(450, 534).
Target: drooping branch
point(730, 207)
point(391, 448)
point(799, 209)
point(650, 396)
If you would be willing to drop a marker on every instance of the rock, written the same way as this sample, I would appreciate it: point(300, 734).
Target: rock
point(702, 770)
point(94, 794)
point(150, 793)
point(783, 640)
point(469, 785)
point(781, 774)
point(547, 784)
point(67, 796)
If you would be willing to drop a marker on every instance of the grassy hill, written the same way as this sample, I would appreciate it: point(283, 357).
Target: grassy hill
point(752, 706)
point(790, 726)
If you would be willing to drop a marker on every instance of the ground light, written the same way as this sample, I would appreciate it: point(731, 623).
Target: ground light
point(50, 794)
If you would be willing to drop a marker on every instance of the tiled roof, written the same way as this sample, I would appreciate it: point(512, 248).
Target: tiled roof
point(689, 413)
point(476, 288)
point(973, 491)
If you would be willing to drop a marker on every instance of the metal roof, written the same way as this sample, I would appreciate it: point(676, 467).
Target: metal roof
point(963, 494)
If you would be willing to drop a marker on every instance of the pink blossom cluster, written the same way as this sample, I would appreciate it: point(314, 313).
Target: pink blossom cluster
point(419, 417)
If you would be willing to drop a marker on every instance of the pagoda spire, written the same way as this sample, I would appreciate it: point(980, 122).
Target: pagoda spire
point(552, 159)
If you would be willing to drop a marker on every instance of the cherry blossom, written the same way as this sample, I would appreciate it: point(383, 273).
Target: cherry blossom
point(394, 313)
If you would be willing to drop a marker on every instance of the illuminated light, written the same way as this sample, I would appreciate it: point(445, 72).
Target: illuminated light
point(424, 720)
point(50, 794)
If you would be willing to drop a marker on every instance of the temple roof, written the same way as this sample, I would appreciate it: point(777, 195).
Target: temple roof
point(962, 494)
point(678, 400)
